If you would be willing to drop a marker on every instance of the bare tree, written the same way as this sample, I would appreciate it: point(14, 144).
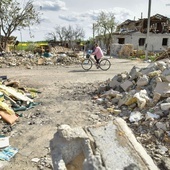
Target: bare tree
point(105, 27)
point(61, 31)
point(14, 17)
point(51, 37)
point(78, 33)
point(67, 34)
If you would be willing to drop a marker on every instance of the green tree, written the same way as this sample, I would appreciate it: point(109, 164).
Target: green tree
point(14, 17)
point(105, 26)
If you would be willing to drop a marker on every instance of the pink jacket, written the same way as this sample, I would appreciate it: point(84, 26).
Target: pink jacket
point(98, 52)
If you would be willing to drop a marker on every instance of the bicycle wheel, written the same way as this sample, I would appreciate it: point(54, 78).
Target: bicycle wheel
point(105, 64)
point(86, 64)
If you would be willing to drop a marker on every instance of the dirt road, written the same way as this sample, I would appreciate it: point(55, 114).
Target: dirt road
point(65, 99)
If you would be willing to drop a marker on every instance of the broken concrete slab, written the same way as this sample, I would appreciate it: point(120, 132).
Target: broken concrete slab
point(110, 145)
point(143, 80)
point(134, 72)
point(163, 88)
point(126, 85)
point(119, 148)
point(114, 83)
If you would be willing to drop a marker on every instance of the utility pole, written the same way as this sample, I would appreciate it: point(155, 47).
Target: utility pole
point(148, 28)
point(93, 30)
point(0, 25)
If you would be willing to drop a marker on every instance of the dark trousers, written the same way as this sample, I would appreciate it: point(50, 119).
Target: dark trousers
point(97, 60)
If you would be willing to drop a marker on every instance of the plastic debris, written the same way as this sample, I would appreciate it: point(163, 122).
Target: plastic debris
point(8, 153)
point(135, 116)
point(4, 141)
point(151, 116)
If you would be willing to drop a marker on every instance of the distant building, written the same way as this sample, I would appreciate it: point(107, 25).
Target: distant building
point(134, 32)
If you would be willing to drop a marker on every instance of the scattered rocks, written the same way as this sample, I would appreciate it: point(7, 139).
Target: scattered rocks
point(144, 93)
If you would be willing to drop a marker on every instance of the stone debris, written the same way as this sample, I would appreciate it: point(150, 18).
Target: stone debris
point(98, 147)
point(59, 55)
point(142, 97)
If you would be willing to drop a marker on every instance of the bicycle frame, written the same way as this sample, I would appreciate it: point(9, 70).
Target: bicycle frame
point(92, 59)
point(89, 61)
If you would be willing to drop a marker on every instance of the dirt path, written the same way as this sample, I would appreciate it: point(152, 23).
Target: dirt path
point(65, 99)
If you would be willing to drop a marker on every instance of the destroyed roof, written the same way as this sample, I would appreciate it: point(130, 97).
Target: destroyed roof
point(159, 17)
point(141, 24)
point(156, 16)
point(126, 22)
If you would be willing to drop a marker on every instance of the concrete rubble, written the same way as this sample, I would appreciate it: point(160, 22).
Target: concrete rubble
point(59, 55)
point(110, 145)
point(142, 98)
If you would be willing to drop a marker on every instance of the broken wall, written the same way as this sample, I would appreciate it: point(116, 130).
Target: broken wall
point(155, 41)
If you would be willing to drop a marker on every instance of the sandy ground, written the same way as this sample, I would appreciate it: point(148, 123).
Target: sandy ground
point(66, 98)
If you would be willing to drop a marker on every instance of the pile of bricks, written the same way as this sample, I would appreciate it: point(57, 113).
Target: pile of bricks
point(142, 98)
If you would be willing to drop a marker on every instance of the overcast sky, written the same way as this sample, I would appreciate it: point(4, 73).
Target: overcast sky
point(84, 12)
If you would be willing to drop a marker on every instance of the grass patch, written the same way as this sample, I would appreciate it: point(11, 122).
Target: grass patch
point(27, 46)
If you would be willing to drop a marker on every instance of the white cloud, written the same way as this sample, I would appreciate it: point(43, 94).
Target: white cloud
point(50, 5)
point(120, 14)
point(71, 18)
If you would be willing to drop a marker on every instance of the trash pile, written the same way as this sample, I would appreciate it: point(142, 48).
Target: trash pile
point(142, 98)
point(13, 98)
point(126, 50)
point(163, 55)
point(59, 55)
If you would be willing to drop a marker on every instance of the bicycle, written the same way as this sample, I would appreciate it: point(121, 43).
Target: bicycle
point(88, 62)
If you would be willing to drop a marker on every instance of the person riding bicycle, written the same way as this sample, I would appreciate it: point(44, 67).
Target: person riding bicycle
point(98, 54)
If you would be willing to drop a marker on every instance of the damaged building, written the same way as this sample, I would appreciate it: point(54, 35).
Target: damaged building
point(134, 32)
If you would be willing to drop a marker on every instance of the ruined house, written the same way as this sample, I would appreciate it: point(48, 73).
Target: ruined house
point(134, 32)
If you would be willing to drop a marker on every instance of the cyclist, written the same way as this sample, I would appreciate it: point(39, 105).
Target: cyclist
point(98, 54)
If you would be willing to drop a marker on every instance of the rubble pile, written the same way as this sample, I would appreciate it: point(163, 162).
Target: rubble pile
point(18, 59)
point(142, 98)
point(59, 55)
point(163, 55)
point(126, 50)
point(68, 60)
point(14, 98)
point(60, 49)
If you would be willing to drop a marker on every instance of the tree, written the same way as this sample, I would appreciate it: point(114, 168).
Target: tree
point(66, 34)
point(105, 26)
point(51, 37)
point(78, 33)
point(14, 17)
